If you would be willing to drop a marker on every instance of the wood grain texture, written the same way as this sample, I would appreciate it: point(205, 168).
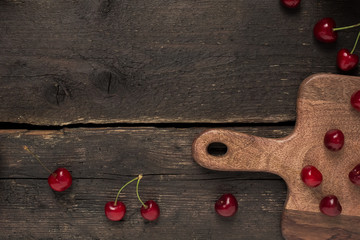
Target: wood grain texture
point(102, 160)
point(323, 104)
point(295, 225)
point(30, 210)
point(128, 61)
point(161, 61)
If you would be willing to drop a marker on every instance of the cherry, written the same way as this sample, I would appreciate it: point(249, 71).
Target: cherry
point(330, 206)
point(59, 180)
point(116, 210)
point(226, 205)
point(334, 139)
point(355, 100)
point(354, 175)
point(324, 30)
point(291, 3)
point(149, 210)
point(311, 176)
point(345, 60)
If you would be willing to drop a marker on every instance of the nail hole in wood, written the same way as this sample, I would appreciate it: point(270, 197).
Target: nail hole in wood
point(217, 149)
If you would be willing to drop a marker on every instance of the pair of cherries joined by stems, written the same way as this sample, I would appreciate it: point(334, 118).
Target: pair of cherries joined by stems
point(312, 177)
point(115, 211)
point(325, 31)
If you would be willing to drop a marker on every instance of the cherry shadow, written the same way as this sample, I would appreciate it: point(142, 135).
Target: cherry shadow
point(353, 72)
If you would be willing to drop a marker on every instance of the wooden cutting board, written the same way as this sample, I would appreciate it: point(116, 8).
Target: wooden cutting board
point(323, 104)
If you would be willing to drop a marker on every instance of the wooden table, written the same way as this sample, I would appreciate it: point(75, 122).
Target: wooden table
point(110, 89)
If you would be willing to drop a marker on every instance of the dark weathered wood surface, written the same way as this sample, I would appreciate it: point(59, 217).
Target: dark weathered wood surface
point(149, 62)
point(102, 160)
point(109, 61)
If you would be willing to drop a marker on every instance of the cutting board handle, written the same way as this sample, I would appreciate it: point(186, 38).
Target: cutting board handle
point(244, 152)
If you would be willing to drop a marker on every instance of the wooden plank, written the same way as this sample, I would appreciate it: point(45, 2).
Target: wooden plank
point(30, 210)
point(102, 160)
point(161, 61)
point(149, 150)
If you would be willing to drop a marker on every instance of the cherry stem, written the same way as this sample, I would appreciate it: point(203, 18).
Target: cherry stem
point(356, 41)
point(137, 191)
point(117, 196)
point(37, 158)
point(347, 27)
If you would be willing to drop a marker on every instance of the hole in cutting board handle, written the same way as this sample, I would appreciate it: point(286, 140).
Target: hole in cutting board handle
point(217, 149)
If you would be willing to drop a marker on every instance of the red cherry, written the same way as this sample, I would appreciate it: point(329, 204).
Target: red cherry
point(226, 205)
point(60, 179)
point(355, 100)
point(334, 139)
point(291, 3)
point(345, 60)
point(311, 176)
point(323, 30)
point(354, 175)
point(151, 212)
point(330, 206)
point(115, 212)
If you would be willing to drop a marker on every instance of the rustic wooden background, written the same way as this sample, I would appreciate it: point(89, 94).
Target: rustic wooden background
point(110, 89)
